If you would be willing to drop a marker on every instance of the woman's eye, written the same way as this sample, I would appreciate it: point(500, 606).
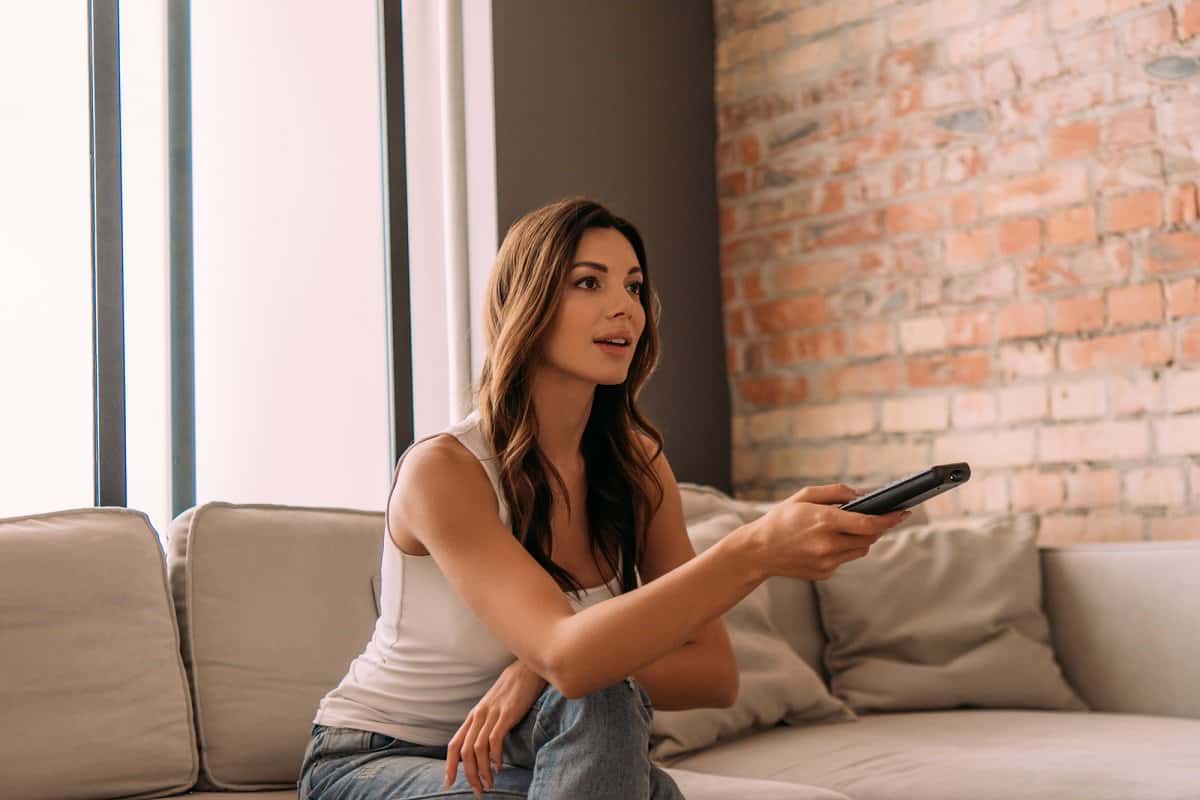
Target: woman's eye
point(582, 281)
point(637, 288)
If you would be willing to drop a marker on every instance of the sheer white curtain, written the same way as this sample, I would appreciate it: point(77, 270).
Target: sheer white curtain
point(451, 163)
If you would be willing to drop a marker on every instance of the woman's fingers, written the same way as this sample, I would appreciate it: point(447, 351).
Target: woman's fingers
point(827, 495)
point(469, 761)
point(452, 749)
point(483, 754)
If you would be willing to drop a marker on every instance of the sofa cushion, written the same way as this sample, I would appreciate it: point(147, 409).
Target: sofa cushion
point(982, 755)
point(792, 602)
point(775, 683)
point(693, 785)
point(93, 697)
point(273, 602)
point(942, 618)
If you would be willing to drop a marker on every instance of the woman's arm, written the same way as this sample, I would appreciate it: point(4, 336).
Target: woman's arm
point(701, 673)
point(444, 497)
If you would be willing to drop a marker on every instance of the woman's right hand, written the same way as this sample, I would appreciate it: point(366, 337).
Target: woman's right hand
point(808, 536)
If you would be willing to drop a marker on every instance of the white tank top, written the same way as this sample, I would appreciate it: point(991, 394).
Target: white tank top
point(430, 659)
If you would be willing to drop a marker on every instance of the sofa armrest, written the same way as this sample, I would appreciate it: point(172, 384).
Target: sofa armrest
point(1125, 622)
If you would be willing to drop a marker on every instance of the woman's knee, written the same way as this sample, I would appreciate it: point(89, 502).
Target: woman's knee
point(623, 699)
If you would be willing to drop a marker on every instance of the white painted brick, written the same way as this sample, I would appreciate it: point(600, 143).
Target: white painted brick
point(921, 413)
point(1079, 399)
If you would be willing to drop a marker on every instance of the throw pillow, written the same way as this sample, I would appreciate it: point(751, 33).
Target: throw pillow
point(776, 685)
point(943, 617)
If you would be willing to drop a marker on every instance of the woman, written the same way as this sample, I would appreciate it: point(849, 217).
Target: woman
point(495, 667)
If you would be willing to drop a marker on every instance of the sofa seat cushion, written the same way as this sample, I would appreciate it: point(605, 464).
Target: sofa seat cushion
point(93, 696)
point(694, 785)
point(980, 754)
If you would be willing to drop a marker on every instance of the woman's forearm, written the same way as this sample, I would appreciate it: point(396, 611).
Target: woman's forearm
point(689, 677)
point(611, 640)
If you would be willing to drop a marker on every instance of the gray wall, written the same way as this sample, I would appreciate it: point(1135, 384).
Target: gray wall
point(614, 100)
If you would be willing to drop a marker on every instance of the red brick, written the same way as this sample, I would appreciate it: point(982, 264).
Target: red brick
point(756, 248)
point(729, 220)
point(1182, 205)
point(1132, 212)
point(1109, 264)
point(964, 248)
point(967, 369)
point(866, 227)
point(1174, 252)
point(1071, 226)
point(1078, 314)
point(1140, 349)
point(907, 100)
point(873, 339)
point(814, 19)
point(751, 284)
point(773, 390)
point(1183, 299)
point(806, 346)
point(733, 184)
point(803, 311)
point(1135, 305)
point(736, 322)
point(1189, 20)
point(964, 208)
point(1019, 236)
point(1074, 140)
point(875, 378)
point(750, 149)
point(1034, 192)
point(821, 274)
point(1129, 129)
point(900, 66)
point(805, 57)
point(1021, 321)
point(1189, 344)
point(914, 217)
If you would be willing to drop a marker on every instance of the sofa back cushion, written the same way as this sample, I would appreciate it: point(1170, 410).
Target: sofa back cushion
point(791, 603)
point(93, 696)
point(274, 602)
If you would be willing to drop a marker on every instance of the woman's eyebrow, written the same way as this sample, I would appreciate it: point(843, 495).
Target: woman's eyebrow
point(602, 267)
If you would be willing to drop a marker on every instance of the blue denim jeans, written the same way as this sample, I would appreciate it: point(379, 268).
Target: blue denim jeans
point(592, 748)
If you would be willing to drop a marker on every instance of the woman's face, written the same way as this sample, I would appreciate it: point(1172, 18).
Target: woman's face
point(600, 299)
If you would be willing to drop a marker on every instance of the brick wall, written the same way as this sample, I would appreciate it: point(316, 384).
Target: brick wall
point(967, 230)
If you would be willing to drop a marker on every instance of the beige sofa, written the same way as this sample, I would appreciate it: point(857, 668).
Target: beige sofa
point(129, 673)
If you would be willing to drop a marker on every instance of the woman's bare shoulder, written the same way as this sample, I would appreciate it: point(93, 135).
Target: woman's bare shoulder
point(434, 474)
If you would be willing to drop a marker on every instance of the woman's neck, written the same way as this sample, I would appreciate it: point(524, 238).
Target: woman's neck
point(562, 405)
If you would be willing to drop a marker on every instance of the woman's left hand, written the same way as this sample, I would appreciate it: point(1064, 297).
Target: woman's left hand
point(479, 742)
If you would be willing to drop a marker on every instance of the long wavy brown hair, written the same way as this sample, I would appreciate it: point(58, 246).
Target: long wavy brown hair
point(522, 297)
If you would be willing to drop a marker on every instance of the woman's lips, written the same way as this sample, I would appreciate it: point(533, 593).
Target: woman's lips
point(613, 349)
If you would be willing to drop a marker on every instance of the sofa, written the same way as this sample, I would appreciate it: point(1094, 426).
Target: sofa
point(134, 666)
